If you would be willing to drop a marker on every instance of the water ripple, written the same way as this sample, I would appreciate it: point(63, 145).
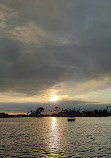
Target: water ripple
point(55, 137)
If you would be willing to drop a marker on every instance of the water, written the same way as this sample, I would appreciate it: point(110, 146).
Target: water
point(55, 137)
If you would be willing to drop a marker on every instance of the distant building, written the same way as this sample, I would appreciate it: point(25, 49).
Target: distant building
point(2, 115)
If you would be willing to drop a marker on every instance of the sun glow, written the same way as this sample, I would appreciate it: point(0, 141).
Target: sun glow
point(54, 98)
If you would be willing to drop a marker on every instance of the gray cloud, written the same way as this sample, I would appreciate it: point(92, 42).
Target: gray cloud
point(26, 107)
point(50, 42)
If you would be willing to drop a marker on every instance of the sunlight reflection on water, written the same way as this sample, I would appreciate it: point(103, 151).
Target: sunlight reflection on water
point(55, 137)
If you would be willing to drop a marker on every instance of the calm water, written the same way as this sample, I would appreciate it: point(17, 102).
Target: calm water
point(55, 137)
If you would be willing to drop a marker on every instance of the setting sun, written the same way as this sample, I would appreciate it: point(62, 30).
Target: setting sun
point(54, 98)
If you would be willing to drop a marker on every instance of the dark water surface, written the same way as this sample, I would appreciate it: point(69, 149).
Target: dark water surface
point(55, 137)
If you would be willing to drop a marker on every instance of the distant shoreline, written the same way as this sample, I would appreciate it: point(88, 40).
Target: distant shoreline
point(59, 113)
point(18, 116)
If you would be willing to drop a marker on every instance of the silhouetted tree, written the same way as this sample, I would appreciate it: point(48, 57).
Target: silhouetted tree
point(37, 112)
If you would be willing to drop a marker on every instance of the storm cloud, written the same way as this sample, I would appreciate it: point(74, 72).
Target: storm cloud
point(43, 43)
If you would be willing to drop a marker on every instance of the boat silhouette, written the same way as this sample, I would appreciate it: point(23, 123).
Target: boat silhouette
point(71, 119)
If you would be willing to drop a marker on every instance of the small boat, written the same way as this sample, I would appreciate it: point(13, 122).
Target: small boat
point(71, 119)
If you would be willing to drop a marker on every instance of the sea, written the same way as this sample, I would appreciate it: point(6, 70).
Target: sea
point(55, 137)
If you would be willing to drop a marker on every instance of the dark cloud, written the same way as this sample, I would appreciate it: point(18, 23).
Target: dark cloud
point(44, 67)
point(26, 107)
point(51, 42)
point(27, 72)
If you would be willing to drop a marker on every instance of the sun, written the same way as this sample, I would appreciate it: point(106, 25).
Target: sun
point(54, 98)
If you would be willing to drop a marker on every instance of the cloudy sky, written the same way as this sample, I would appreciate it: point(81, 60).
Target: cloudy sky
point(54, 50)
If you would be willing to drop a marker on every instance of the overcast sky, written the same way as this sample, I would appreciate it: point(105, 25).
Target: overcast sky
point(55, 48)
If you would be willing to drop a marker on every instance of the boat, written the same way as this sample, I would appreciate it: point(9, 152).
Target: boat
point(71, 119)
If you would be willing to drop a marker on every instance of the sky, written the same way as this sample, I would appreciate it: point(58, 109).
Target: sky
point(54, 51)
